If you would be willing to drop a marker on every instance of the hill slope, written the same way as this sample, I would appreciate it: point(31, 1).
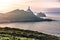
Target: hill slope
point(27, 34)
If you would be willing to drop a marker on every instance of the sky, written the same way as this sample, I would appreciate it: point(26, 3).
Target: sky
point(36, 5)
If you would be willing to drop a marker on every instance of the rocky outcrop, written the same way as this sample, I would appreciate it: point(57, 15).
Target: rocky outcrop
point(41, 14)
point(19, 15)
point(22, 16)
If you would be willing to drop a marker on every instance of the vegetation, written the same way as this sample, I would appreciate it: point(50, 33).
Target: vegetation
point(20, 34)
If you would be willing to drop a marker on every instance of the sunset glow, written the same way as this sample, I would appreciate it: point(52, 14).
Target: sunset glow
point(8, 5)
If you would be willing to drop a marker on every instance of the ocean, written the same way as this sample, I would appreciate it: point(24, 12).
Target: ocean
point(52, 27)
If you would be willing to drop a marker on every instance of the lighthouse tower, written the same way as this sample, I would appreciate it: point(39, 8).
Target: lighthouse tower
point(29, 10)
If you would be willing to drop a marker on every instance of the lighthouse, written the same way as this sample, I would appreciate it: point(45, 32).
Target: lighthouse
point(29, 10)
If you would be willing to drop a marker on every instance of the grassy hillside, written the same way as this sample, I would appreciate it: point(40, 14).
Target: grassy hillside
point(20, 34)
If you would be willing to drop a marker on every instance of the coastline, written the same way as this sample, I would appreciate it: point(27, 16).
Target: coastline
point(35, 20)
point(14, 32)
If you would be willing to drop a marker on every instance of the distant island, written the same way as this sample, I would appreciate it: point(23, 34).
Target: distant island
point(20, 34)
point(21, 16)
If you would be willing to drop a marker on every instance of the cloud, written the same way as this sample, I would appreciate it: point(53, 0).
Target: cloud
point(58, 0)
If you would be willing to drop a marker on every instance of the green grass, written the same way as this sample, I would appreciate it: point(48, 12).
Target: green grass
point(16, 34)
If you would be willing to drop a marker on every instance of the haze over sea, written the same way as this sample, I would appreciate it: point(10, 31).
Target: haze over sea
point(52, 27)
